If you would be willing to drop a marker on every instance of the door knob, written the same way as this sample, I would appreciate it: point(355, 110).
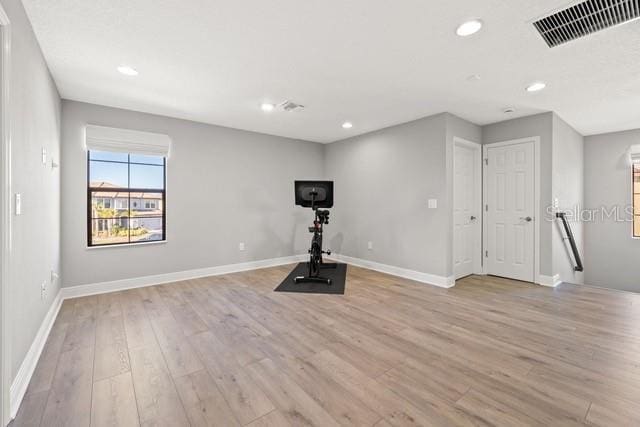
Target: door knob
point(526, 218)
point(473, 218)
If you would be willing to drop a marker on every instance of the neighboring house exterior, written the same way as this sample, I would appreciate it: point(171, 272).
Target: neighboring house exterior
point(123, 209)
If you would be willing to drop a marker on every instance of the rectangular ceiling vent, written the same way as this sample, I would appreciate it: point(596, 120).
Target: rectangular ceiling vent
point(585, 18)
point(291, 106)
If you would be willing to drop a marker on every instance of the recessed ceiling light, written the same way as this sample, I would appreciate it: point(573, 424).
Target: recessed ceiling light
point(536, 86)
point(267, 107)
point(127, 71)
point(347, 125)
point(469, 27)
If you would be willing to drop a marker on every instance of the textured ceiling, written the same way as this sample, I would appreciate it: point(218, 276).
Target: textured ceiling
point(373, 62)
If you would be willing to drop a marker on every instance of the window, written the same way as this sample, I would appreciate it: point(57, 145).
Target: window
point(636, 200)
point(125, 198)
point(122, 203)
point(150, 204)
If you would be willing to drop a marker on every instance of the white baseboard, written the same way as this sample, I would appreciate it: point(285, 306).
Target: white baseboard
point(431, 279)
point(28, 366)
point(140, 282)
point(550, 281)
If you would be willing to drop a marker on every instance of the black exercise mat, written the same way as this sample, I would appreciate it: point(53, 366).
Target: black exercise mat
point(337, 275)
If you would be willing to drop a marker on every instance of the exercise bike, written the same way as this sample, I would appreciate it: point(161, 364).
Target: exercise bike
point(315, 195)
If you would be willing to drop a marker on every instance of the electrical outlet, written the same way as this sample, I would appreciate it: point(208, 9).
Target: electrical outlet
point(370, 245)
point(43, 290)
point(241, 246)
point(433, 203)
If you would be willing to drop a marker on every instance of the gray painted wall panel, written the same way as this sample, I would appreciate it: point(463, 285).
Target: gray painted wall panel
point(35, 123)
point(611, 254)
point(568, 178)
point(383, 181)
point(243, 187)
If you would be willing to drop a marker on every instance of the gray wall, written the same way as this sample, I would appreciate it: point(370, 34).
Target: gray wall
point(611, 254)
point(567, 188)
point(35, 123)
point(224, 186)
point(383, 182)
point(247, 180)
point(537, 125)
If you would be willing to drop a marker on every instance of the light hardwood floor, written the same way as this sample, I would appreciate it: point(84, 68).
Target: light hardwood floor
point(229, 351)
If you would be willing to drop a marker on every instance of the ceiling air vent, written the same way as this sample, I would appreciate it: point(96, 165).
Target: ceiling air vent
point(585, 18)
point(291, 106)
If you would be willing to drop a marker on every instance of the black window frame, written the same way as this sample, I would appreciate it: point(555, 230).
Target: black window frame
point(128, 190)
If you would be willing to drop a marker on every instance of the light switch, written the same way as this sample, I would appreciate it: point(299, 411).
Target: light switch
point(433, 203)
point(44, 156)
point(241, 246)
point(18, 204)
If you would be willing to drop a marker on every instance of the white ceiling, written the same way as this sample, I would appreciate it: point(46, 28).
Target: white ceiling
point(373, 62)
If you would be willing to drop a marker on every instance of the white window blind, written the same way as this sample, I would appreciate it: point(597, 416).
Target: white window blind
point(634, 153)
point(102, 138)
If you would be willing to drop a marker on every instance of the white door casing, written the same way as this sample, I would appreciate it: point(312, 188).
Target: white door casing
point(510, 195)
point(467, 208)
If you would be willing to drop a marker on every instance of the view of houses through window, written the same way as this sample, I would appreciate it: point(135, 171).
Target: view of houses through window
point(126, 198)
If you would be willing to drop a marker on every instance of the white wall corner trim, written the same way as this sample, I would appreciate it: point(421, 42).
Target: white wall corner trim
point(158, 279)
point(430, 279)
point(549, 281)
point(28, 366)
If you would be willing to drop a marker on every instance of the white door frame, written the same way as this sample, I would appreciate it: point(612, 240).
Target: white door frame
point(5, 216)
point(478, 156)
point(537, 217)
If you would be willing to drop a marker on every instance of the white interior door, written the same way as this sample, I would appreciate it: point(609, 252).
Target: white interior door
point(466, 207)
point(510, 206)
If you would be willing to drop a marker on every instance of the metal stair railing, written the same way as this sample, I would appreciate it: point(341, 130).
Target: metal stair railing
point(572, 241)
